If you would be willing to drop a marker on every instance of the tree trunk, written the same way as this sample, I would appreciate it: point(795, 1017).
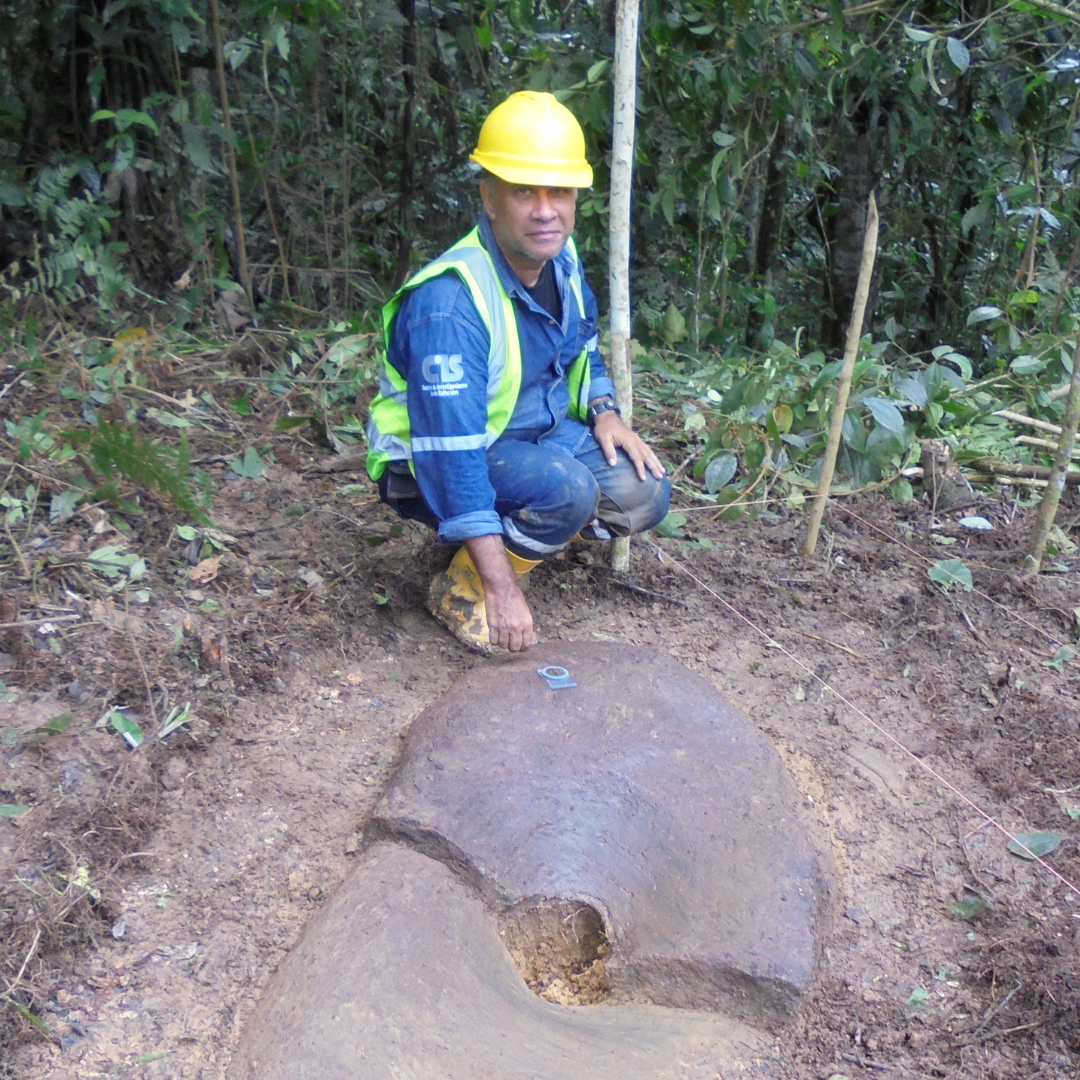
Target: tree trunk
point(406, 177)
point(860, 169)
point(1044, 520)
point(767, 245)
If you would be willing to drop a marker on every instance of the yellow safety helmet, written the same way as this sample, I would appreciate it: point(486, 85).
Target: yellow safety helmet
point(533, 139)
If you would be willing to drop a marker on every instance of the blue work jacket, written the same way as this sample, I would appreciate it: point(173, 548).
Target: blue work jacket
point(438, 318)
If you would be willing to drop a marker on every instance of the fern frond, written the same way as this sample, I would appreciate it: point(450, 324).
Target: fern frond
point(114, 448)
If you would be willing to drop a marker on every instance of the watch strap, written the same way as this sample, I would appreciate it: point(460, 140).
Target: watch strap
point(602, 406)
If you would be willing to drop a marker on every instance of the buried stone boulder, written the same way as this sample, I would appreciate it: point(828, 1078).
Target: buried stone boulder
point(632, 843)
point(404, 975)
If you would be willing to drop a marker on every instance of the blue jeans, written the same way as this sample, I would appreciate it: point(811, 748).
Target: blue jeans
point(548, 487)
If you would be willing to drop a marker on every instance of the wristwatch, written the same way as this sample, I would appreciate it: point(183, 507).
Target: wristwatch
point(604, 405)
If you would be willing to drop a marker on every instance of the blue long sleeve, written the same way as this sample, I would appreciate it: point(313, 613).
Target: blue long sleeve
point(440, 346)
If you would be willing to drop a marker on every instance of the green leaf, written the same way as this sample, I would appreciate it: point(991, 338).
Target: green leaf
point(251, 468)
point(667, 204)
point(826, 375)
point(279, 36)
point(113, 7)
point(914, 390)
point(1031, 845)
point(9, 810)
point(125, 118)
point(901, 490)
point(968, 909)
point(671, 526)
point(712, 205)
point(181, 36)
point(56, 726)
point(674, 324)
point(719, 471)
point(918, 36)
point(11, 195)
point(187, 532)
point(177, 718)
point(62, 506)
point(958, 54)
point(34, 1019)
point(132, 733)
point(241, 406)
point(949, 572)
point(984, 314)
point(287, 423)
point(886, 414)
point(1074, 812)
point(919, 997)
point(597, 70)
point(1027, 365)
point(1063, 656)
point(168, 419)
point(197, 150)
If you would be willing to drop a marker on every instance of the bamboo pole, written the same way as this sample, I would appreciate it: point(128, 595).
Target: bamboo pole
point(851, 351)
point(1011, 468)
point(1031, 421)
point(622, 170)
point(1044, 520)
point(230, 153)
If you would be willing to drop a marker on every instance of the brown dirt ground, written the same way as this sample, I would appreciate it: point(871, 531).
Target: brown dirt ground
point(151, 893)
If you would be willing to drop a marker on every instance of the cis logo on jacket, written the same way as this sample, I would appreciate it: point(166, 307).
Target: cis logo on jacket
point(443, 375)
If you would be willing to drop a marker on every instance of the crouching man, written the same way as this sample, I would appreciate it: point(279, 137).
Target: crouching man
point(496, 422)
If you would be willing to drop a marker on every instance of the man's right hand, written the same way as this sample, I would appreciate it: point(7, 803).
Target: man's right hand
point(510, 624)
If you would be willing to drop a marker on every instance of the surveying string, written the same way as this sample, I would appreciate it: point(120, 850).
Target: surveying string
point(773, 643)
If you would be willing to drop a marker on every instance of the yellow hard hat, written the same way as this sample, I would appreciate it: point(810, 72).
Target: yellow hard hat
point(533, 139)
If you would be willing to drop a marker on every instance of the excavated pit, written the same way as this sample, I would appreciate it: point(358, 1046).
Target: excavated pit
point(560, 948)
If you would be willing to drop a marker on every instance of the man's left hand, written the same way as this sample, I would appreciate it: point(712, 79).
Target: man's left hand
point(611, 432)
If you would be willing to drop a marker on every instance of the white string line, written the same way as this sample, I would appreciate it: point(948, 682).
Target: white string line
point(873, 723)
point(978, 592)
point(896, 540)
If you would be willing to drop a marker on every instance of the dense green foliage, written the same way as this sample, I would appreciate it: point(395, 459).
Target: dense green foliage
point(763, 126)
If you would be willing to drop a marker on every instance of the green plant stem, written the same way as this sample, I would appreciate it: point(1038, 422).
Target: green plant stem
point(18, 551)
point(1056, 9)
point(1044, 520)
point(261, 169)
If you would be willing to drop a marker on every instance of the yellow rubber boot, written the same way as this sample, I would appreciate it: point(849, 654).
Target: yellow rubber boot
point(521, 566)
point(456, 599)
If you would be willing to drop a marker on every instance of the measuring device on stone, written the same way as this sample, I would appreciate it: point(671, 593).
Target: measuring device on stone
point(557, 678)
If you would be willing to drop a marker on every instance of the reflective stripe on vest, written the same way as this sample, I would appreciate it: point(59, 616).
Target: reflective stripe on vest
point(388, 428)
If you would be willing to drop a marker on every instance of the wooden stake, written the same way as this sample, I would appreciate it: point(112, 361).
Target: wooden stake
point(1044, 521)
point(622, 169)
point(851, 351)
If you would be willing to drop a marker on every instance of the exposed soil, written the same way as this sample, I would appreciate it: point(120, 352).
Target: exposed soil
point(151, 892)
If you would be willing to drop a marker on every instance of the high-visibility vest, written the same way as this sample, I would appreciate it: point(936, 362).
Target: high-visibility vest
point(388, 428)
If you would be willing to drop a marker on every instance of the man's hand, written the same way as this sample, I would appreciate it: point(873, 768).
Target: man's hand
point(611, 432)
point(510, 624)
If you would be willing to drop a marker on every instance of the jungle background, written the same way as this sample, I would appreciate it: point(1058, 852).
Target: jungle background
point(201, 214)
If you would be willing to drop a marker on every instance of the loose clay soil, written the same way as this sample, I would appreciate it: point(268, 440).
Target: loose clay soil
point(148, 894)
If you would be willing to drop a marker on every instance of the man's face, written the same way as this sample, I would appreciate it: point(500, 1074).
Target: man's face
point(531, 224)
